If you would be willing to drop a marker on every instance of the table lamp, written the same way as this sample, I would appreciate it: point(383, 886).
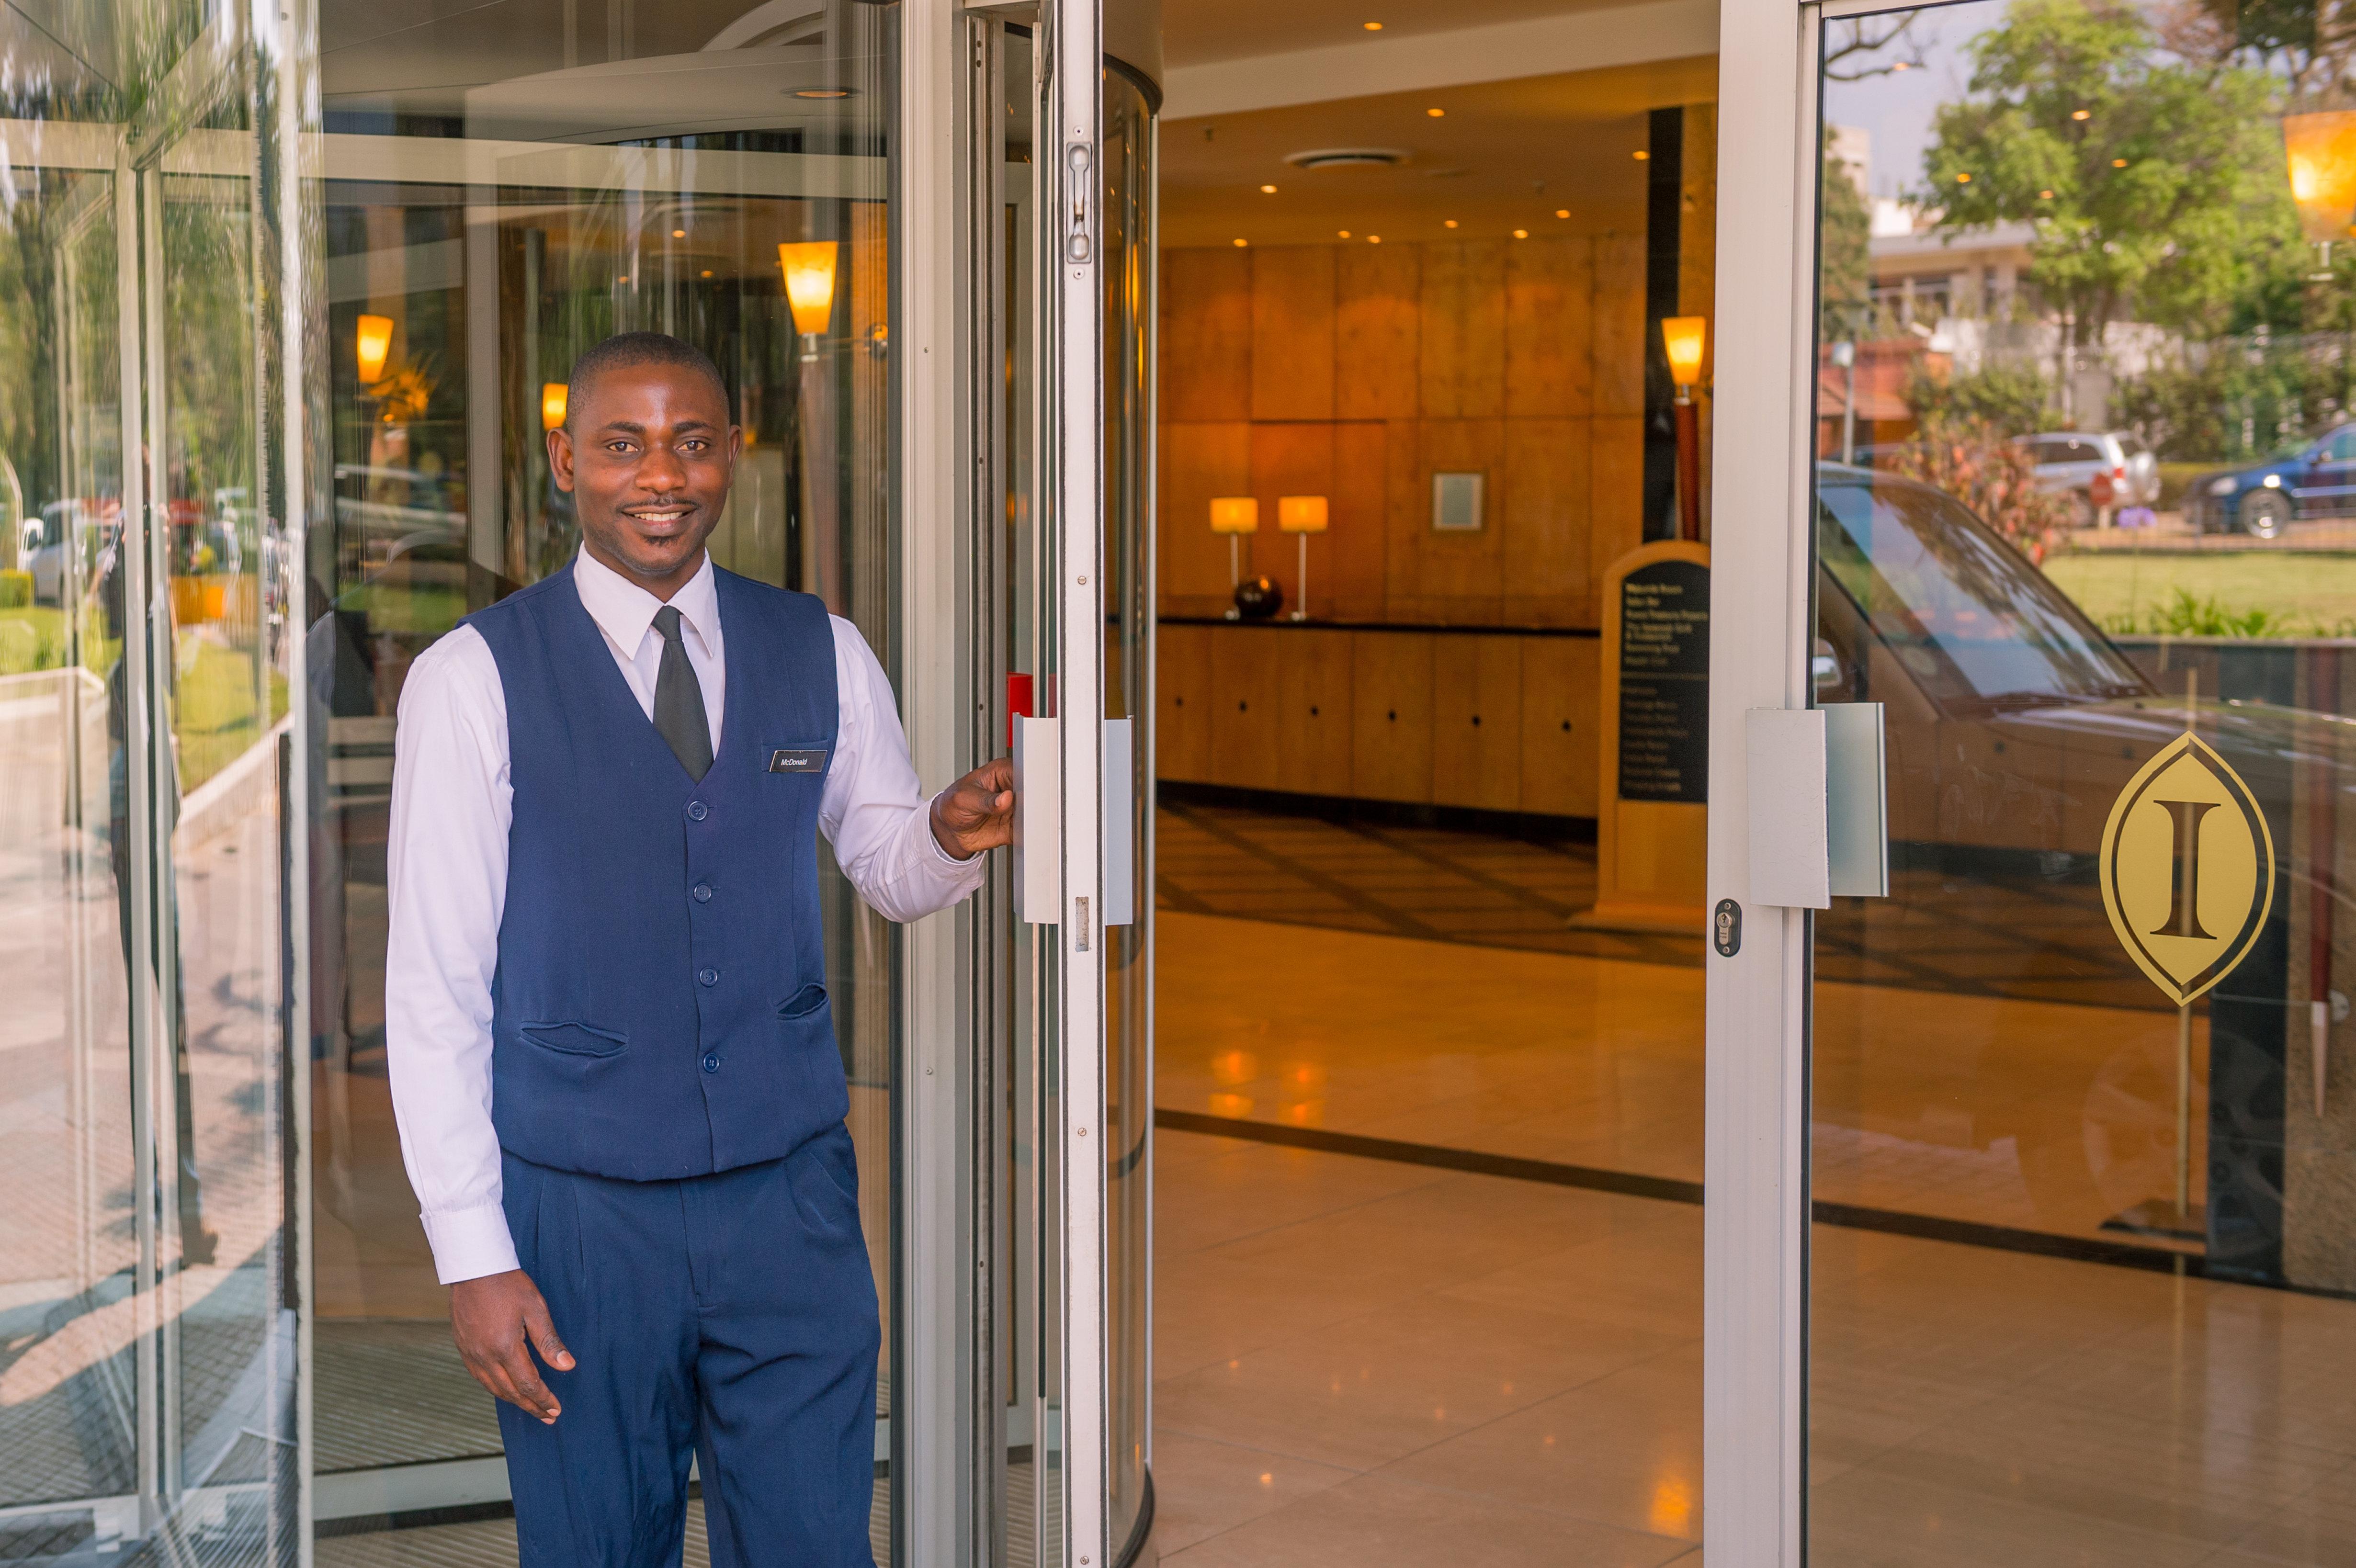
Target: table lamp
point(1302, 516)
point(1235, 516)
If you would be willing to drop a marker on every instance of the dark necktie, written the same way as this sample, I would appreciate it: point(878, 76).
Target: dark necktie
point(679, 701)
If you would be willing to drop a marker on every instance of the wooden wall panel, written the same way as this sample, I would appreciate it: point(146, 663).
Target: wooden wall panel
point(1312, 727)
point(1206, 335)
point(1476, 721)
point(1182, 685)
point(1548, 496)
point(1198, 462)
point(1559, 698)
point(1378, 306)
point(1463, 362)
point(1439, 576)
point(1616, 526)
point(1345, 563)
point(1549, 332)
point(1618, 325)
point(1292, 332)
point(1244, 707)
point(1286, 460)
point(1391, 715)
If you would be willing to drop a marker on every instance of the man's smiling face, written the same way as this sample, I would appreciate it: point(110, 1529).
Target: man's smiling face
point(648, 455)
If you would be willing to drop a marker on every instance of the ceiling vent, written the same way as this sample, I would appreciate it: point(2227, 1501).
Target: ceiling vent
point(1347, 158)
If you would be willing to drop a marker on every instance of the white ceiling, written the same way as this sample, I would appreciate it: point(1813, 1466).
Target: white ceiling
point(1198, 32)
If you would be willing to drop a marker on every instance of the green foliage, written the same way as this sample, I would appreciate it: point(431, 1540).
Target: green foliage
point(1976, 463)
point(2245, 400)
point(15, 590)
point(2185, 616)
point(1843, 235)
point(2009, 399)
point(2166, 203)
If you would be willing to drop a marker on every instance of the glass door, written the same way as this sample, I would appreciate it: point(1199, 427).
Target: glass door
point(151, 1374)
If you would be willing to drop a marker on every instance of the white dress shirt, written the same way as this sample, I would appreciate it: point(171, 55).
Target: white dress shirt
point(447, 873)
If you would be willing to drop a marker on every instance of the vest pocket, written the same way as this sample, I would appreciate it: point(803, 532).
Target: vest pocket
point(574, 1039)
point(803, 1003)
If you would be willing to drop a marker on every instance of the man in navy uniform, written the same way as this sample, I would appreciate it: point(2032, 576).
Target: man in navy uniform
point(612, 1052)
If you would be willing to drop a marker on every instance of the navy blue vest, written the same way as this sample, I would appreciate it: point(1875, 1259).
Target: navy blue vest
point(660, 1009)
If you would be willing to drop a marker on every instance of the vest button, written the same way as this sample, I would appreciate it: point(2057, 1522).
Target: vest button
point(697, 811)
point(702, 892)
point(708, 977)
point(711, 1061)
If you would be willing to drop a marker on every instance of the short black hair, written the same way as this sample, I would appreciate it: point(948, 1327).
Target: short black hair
point(627, 349)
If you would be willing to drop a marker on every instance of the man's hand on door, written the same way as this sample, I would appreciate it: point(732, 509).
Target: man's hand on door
point(976, 813)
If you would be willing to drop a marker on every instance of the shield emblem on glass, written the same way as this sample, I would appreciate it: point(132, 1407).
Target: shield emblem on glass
point(2188, 869)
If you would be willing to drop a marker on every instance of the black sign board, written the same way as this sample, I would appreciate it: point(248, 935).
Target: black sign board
point(1665, 682)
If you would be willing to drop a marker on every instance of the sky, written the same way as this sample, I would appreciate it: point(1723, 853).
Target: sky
point(1896, 109)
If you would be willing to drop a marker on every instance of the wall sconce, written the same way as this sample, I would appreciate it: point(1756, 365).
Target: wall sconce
point(2321, 150)
point(373, 343)
point(810, 289)
point(1235, 516)
point(551, 403)
point(1302, 516)
point(1685, 337)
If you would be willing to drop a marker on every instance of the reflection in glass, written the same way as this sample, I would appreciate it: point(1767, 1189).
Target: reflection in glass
point(2080, 1250)
point(148, 1304)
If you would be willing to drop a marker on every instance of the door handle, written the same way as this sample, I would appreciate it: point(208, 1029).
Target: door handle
point(1818, 808)
point(1039, 821)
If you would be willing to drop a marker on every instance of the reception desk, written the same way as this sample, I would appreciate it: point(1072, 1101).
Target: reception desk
point(1492, 718)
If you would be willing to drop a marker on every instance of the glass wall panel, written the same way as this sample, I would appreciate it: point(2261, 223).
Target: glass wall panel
point(507, 188)
point(2083, 1160)
point(155, 246)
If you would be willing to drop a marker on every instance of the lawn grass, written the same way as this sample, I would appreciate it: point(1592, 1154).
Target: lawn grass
point(2303, 594)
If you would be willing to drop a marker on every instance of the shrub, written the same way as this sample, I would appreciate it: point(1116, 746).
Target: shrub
point(15, 590)
point(1976, 462)
point(2014, 400)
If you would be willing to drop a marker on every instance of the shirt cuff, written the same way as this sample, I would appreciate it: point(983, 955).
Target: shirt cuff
point(470, 1243)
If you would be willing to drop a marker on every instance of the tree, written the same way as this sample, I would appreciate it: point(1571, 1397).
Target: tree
point(1845, 234)
point(2154, 184)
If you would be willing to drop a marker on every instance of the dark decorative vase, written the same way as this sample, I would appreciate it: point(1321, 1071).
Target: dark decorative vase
point(1258, 600)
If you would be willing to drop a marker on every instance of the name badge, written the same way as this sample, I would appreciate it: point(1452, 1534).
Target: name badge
point(797, 761)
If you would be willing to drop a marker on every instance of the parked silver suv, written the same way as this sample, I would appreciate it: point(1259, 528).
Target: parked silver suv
point(2073, 461)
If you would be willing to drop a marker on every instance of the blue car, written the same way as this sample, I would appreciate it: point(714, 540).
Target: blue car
point(2261, 499)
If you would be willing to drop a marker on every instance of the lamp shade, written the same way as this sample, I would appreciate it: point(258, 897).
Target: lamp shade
point(809, 284)
point(2322, 153)
point(1683, 336)
point(1235, 515)
point(374, 344)
point(551, 403)
point(1301, 513)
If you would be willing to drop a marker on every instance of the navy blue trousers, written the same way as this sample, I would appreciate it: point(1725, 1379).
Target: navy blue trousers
point(730, 1316)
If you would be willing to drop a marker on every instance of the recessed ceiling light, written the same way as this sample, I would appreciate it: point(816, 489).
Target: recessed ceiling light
point(1372, 27)
point(1521, 233)
point(1643, 156)
point(2082, 114)
point(2118, 162)
point(823, 91)
point(1901, 65)
point(707, 271)
point(1562, 212)
point(2045, 196)
point(679, 233)
point(623, 279)
point(1267, 190)
point(1962, 179)
point(1373, 239)
point(1241, 243)
point(1448, 223)
point(1345, 234)
point(1435, 113)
